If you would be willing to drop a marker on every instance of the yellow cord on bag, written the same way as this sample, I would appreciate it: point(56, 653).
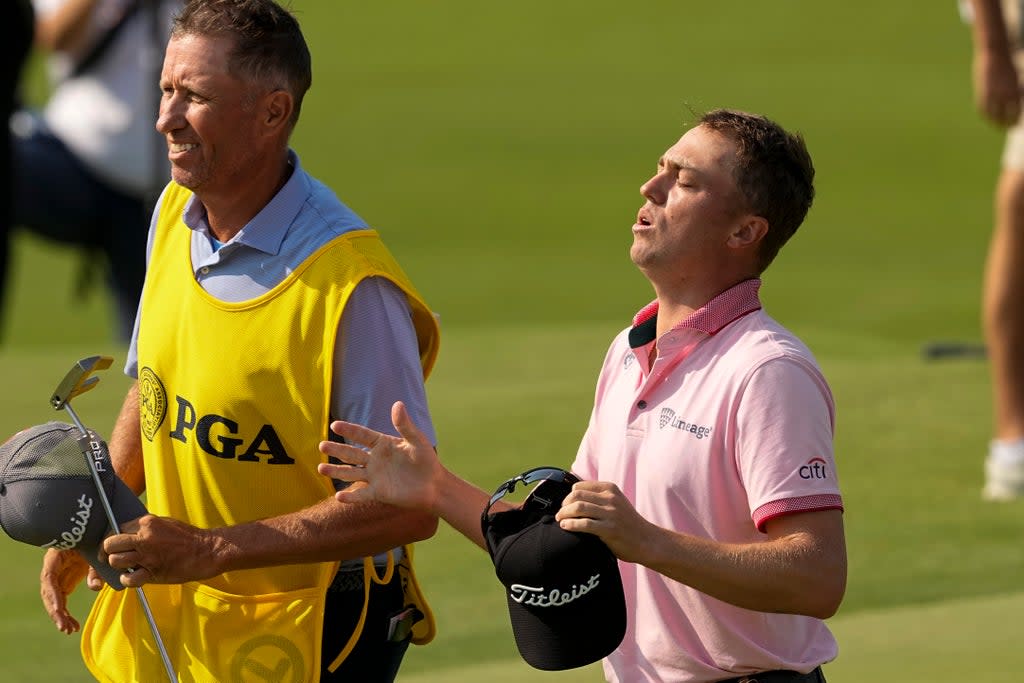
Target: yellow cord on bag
point(369, 575)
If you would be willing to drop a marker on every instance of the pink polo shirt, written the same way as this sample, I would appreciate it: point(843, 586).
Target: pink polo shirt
point(731, 426)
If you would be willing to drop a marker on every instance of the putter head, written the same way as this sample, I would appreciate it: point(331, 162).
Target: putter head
point(78, 381)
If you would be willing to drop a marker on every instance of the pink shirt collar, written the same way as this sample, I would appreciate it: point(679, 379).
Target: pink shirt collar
point(731, 304)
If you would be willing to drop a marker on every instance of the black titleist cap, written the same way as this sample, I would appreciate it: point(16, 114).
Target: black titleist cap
point(48, 497)
point(563, 588)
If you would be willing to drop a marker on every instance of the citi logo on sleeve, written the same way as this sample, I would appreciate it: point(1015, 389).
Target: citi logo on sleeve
point(668, 418)
point(814, 469)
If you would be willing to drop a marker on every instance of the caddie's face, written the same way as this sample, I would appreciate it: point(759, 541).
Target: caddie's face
point(692, 206)
point(207, 116)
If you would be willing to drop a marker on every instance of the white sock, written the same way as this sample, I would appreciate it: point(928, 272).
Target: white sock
point(1006, 452)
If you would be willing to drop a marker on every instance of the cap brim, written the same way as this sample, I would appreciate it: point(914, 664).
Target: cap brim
point(126, 507)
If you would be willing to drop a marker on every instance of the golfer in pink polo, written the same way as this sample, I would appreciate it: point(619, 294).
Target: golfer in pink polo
point(724, 434)
point(708, 465)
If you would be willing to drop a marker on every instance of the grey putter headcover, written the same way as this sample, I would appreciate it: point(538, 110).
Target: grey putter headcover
point(48, 497)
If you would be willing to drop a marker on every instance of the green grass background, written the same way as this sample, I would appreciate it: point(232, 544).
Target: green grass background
point(499, 147)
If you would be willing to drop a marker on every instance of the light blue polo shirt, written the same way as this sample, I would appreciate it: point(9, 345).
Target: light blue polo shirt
point(376, 358)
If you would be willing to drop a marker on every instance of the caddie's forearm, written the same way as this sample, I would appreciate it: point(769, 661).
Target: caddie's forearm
point(125, 443)
point(326, 532)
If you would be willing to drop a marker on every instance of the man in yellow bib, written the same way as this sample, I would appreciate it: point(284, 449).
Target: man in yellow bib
point(269, 310)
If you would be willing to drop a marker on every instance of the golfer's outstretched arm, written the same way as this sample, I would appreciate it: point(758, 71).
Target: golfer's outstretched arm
point(403, 471)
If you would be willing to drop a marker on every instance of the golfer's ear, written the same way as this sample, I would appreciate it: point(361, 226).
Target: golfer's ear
point(749, 232)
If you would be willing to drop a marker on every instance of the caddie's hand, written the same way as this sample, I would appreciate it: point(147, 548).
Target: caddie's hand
point(161, 550)
point(997, 90)
point(61, 573)
point(600, 508)
point(398, 471)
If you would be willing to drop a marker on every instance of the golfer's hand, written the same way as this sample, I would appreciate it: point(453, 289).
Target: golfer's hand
point(404, 472)
point(600, 508)
point(155, 549)
point(61, 573)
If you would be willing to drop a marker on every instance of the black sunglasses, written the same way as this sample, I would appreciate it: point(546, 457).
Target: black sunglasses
point(556, 474)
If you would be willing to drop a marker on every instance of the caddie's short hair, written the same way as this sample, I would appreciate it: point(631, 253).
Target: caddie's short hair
point(269, 47)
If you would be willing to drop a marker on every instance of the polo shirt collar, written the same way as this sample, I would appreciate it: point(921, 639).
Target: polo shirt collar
point(728, 306)
point(267, 229)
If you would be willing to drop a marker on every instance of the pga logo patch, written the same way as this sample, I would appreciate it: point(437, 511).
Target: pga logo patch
point(152, 402)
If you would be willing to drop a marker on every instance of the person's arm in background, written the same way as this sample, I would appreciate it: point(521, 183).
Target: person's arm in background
point(997, 91)
point(63, 28)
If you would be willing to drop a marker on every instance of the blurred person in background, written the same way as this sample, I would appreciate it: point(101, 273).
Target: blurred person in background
point(997, 67)
point(17, 32)
point(87, 169)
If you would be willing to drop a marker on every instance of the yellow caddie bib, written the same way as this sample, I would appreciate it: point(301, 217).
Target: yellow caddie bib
point(233, 400)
